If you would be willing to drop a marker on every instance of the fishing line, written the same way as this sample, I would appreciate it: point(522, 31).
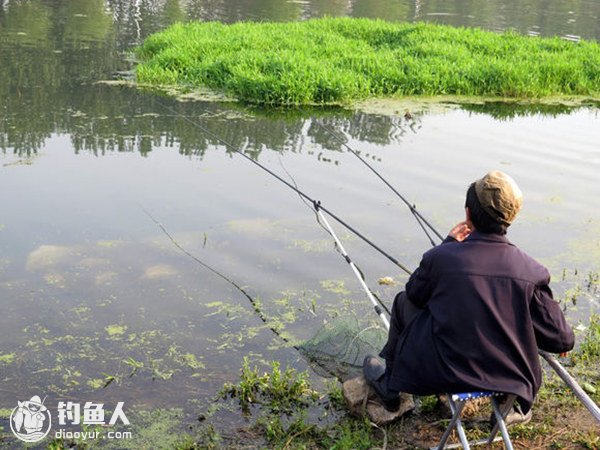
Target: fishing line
point(308, 205)
point(417, 215)
point(289, 185)
point(255, 304)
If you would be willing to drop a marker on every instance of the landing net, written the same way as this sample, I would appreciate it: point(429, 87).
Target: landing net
point(340, 346)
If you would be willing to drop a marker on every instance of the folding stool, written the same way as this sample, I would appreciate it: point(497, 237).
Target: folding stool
point(457, 403)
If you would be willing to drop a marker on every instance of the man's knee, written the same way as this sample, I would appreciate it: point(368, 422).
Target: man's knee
point(403, 309)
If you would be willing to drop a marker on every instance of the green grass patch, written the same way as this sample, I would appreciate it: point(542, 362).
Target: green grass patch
point(589, 350)
point(340, 60)
point(278, 390)
point(290, 414)
point(586, 359)
point(284, 411)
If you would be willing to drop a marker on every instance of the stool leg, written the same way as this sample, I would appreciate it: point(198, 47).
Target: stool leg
point(459, 428)
point(500, 424)
point(456, 411)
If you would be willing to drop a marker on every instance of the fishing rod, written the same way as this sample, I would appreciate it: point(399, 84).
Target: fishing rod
point(422, 221)
point(361, 280)
point(551, 359)
point(289, 185)
point(572, 383)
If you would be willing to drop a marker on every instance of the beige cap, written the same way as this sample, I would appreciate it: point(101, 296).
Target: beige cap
point(499, 196)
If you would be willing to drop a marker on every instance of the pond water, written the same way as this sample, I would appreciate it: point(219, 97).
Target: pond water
point(93, 290)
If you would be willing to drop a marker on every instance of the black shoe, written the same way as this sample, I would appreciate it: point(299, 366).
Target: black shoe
point(373, 368)
point(374, 371)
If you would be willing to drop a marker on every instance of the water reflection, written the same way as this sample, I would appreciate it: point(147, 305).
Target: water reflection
point(26, 23)
point(506, 111)
point(85, 21)
point(53, 52)
point(139, 122)
point(134, 122)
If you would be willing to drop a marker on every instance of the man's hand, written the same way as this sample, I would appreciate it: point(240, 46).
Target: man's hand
point(460, 231)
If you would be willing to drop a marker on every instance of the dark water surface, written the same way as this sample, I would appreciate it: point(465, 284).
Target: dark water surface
point(90, 287)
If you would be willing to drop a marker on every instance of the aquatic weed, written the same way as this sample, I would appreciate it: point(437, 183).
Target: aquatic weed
point(278, 390)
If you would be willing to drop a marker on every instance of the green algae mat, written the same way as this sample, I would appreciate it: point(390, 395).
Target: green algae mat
point(342, 60)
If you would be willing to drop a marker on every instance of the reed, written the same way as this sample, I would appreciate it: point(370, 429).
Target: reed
point(340, 60)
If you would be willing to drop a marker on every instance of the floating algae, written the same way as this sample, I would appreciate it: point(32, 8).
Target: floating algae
point(115, 331)
point(8, 358)
point(335, 287)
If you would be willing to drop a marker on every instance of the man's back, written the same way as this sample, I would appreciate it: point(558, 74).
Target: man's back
point(487, 308)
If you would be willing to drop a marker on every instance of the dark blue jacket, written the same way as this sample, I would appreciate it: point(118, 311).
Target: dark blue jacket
point(487, 308)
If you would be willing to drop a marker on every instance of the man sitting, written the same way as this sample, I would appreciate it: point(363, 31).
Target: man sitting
point(474, 313)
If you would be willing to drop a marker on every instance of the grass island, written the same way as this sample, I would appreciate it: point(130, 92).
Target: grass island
point(343, 60)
